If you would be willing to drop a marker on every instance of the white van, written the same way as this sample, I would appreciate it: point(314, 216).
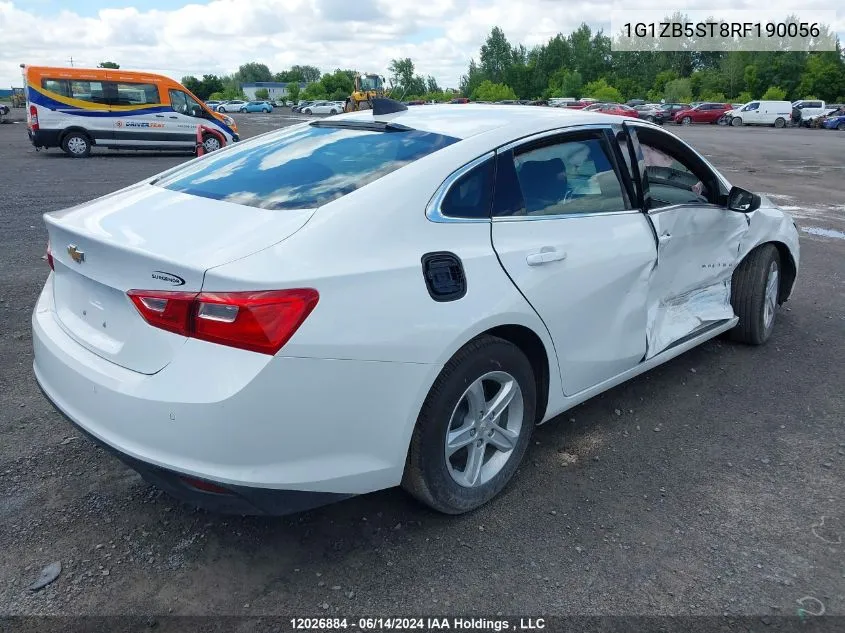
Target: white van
point(776, 113)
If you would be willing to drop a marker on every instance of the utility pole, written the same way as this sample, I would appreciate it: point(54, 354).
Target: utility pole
point(71, 61)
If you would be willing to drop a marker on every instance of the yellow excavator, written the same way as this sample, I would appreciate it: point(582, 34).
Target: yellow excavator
point(368, 86)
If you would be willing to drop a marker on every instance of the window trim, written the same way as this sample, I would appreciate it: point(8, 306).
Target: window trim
point(433, 209)
point(559, 135)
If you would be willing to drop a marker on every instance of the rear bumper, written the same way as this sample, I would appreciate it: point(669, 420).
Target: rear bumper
point(214, 496)
point(44, 138)
point(266, 429)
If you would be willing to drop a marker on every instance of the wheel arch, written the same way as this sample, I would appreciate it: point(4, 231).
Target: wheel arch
point(76, 128)
point(789, 267)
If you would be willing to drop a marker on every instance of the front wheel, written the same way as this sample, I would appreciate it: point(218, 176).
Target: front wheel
point(841, 127)
point(306, 111)
point(755, 289)
point(686, 120)
point(736, 121)
point(76, 144)
point(474, 427)
point(210, 143)
point(243, 110)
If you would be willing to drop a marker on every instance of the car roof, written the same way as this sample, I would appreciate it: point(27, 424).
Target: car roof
point(463, 121)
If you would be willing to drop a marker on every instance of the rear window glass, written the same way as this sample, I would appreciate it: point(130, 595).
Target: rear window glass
point(302, 167)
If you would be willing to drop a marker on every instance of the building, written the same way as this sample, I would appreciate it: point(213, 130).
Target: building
point(275, 89)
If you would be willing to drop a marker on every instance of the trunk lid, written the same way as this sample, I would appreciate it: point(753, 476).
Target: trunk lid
point(146, 238)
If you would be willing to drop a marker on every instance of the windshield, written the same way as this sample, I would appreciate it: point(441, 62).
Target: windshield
point(301, 167)
point(370, 82)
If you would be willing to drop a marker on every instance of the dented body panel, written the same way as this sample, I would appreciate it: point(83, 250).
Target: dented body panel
point(698, 249)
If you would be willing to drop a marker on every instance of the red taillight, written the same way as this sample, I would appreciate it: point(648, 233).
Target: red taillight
point(33, 118)
point(50, 257)
point(259, 321)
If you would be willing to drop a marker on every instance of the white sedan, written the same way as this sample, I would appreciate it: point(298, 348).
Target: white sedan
point(323, 107)
point(392, 297)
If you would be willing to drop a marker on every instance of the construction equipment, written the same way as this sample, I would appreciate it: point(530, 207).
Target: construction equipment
point(368, 86)
point(18, 98)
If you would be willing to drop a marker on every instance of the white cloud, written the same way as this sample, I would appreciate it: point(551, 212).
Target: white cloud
point(439, 35)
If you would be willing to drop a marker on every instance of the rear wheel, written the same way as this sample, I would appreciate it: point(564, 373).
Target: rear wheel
point(736, 121)
point(474, 427)
point(755, 289)
point(76, 144)
point(780, 122)
point(841, 127)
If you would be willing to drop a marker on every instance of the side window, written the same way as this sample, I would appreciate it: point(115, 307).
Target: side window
point(673, 178)
point(59, 86)
point(136, 94)
point(751, 106)
point(183, 104)
point(93, 91)
point(570, 176)
point(471, 195)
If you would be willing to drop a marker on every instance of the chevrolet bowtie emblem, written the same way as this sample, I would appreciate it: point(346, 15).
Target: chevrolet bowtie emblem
point(75, 254)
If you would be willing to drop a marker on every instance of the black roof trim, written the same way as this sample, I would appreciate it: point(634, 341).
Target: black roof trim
point(368, 126)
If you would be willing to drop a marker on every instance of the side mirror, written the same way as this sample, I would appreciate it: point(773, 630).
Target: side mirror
point(742, 200)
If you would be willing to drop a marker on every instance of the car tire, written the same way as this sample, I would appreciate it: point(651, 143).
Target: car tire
point(686, 120)
point(449, 484)
point(736, 121)
point(333, 111)
point(650, 119)
point(306, 111)
point(755, 289)
point(76, 144)
point(243, 110)
point(780, 122)
point(841, 127)
point(210, 143)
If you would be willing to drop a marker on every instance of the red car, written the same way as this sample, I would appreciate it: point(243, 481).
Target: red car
point(618, 109)
point(702, 113)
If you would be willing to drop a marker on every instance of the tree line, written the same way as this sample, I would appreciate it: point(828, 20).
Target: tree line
point(582, 64)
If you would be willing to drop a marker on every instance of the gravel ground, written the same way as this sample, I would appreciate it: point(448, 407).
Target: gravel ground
point(711, 485)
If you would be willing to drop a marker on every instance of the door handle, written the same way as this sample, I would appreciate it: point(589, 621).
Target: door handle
point(545, 255)
point(174, 117)
point(160, 116)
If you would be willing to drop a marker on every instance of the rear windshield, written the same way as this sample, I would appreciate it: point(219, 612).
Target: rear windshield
point(302, 167)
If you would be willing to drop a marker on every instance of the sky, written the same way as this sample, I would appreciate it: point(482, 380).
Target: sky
point(178, 37)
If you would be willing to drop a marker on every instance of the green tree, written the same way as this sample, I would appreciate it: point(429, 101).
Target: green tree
point(193, 84)
point(489, 91)
point(496, 55)
point(774, 93)
point(293, 91)
point(744, 97)
point(307, 74)
point(108, 65)
point(262, 94)
point(566, 83)
point(678, 91)
point(431, 85)
point(253, 72)
point(402, 71)
point(601, 90)
point(208, 85)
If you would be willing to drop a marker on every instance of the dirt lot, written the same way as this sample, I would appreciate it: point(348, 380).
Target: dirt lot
point(711, 485)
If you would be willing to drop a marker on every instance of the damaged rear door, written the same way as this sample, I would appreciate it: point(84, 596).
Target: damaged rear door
point(698, 238)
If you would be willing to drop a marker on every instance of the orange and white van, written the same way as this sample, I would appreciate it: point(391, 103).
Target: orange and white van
point(76, 108)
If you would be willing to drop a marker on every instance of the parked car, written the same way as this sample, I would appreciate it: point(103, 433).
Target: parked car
point(302, 104)
point(835, 120)
point(234, 105)
point(617, 109)
point(667, 111)
point(4, 111)
point(257, 106)
point(774, 113)
point(648, 111)
point(213, 104)
point(459, 100)
point(810, 108)
point(701, 113)
point(323, 107)
point(276, 364)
